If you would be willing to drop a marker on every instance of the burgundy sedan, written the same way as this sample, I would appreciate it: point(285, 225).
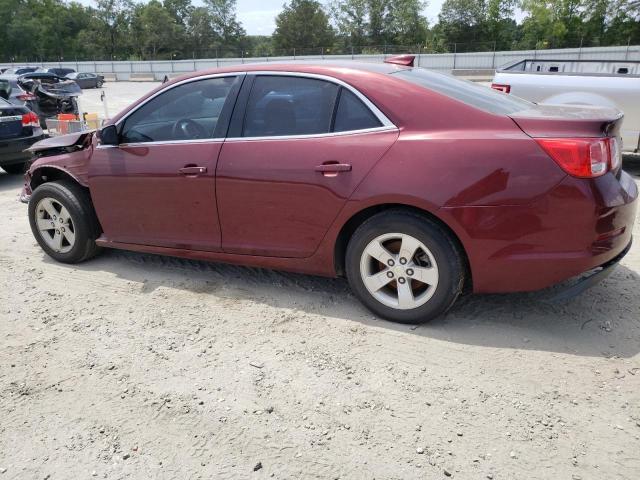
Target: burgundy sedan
point(415, 185)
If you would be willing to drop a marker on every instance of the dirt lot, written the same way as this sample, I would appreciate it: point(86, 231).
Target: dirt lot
point(140, 366)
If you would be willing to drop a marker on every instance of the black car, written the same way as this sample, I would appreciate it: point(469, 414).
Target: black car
point(60, 71)
point(19, 129)
point(19, 70)
point(87, 80)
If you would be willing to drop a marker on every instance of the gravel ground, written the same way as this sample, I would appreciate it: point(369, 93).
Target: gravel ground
point(142, 366)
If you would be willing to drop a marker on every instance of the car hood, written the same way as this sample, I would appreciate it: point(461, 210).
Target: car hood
point(57, 88)
point(78, 139)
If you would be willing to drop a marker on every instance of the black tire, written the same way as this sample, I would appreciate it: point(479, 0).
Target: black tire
point(99, 84)
point(78, 203)
point(15, 168)
point(445, 250)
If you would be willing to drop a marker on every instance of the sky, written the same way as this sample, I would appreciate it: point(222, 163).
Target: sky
point(258, 16)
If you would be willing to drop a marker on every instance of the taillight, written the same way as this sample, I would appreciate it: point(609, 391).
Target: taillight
point(581, 157)
point(30, 120)
point(25, 97)
point(501, 87)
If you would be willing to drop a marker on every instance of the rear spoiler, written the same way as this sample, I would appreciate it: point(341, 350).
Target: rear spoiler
point(406, 60)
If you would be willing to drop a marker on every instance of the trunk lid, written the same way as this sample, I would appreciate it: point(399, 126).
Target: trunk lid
point(10, 122)
point(558, 121)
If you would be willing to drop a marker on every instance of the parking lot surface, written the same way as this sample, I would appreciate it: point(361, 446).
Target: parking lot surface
point(118, 95)
point(142, 366)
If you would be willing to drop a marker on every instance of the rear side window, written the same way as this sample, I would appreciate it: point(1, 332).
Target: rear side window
point(352, 114)
point(465, 91)
point(287, 105)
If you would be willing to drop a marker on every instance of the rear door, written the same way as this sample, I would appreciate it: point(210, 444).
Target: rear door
point(298, 147)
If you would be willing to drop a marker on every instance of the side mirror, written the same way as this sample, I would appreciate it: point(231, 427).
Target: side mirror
point(109, 135)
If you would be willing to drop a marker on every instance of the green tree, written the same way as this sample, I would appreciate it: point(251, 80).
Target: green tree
point(224, 21)
point(302, 24)
point(155, 30)
point(380, 22)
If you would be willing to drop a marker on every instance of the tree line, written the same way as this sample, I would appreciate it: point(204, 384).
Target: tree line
point(51, 30)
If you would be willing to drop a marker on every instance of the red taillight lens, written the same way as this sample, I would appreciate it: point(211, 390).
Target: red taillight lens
point(580, 157)
point(30, 120)
point(501, 87)
point(25, 97)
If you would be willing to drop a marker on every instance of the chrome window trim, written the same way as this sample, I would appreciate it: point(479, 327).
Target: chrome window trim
point(387, 125)
point(363, 131)
point(172, 142)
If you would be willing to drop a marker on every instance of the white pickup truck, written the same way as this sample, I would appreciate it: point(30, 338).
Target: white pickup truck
point(579, 82)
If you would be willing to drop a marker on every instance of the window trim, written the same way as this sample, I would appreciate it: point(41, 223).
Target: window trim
point(387, 125)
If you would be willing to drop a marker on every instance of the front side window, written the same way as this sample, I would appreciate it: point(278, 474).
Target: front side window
point(187, 112)
point(288, 105)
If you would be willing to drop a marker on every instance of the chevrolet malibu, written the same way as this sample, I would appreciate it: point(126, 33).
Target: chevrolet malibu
point(412, 184)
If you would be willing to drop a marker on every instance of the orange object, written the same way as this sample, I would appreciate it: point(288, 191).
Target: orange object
point(67, 116)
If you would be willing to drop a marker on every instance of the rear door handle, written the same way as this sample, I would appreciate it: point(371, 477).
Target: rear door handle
point(333, 167)
point(194, 170)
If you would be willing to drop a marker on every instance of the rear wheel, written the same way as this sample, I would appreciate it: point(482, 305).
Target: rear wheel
point(404, 267)
point(15, 168)
point(63, 222)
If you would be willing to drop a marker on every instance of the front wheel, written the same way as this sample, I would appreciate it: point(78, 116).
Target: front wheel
point(63, 221)
point(404, 267)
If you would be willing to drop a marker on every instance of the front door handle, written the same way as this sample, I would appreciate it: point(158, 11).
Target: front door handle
point(193, 170)
point(333, 167)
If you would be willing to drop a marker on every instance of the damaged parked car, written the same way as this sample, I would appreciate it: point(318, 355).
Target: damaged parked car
point(415, 185)
point(45, 94)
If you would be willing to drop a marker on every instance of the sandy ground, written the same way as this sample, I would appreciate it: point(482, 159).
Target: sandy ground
point(148, 367)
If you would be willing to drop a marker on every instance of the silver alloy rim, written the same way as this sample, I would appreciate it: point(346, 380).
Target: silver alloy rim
point(399, 271)
point(55, 225)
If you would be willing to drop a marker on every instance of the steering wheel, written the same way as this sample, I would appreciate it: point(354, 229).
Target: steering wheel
point(187, 129)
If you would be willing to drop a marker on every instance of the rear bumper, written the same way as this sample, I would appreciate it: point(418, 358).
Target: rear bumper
point(578, 226)
point(591, 279)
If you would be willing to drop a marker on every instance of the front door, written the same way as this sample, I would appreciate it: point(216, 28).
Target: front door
point(157, 187)
point(304, 146)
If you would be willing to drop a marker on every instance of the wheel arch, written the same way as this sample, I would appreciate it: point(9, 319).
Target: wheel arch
point(350, 226)
point(49, 173)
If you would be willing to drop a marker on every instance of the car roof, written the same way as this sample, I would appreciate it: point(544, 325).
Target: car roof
point(336, 68)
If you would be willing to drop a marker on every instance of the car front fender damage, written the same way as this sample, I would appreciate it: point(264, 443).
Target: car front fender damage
point(66, 156)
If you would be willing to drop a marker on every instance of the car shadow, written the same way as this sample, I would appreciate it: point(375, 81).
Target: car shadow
point(601, 322)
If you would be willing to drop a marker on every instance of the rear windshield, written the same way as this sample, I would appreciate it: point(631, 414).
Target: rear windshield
point(465, 91)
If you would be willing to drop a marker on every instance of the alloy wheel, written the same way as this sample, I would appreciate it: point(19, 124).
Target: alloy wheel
point(399, 271)
point(55, 225)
